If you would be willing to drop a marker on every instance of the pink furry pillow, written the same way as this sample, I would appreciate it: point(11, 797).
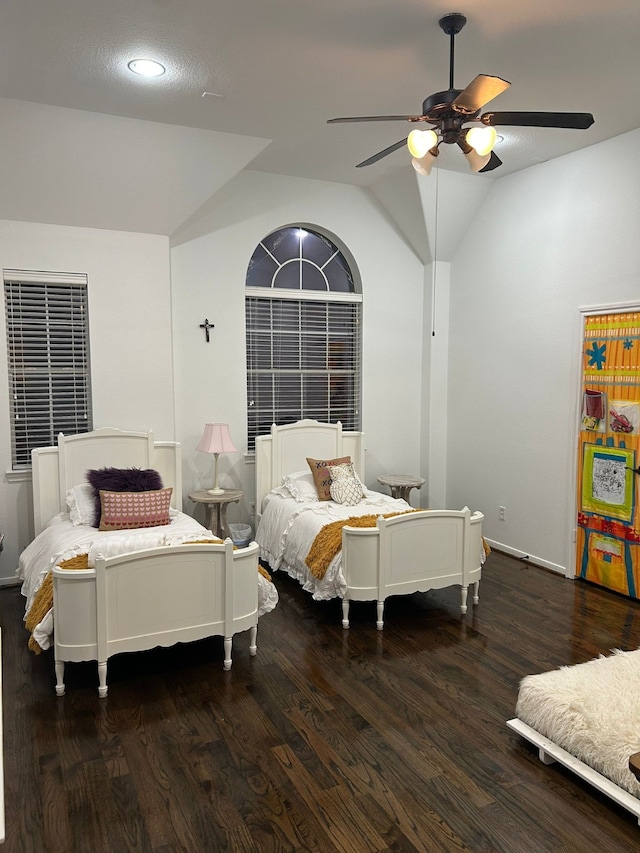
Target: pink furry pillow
point(128, 510)
point(121, 480)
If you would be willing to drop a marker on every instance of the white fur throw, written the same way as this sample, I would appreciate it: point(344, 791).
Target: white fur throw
point(592, 710)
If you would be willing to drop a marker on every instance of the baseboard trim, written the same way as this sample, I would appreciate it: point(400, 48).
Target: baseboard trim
point(526, 558)
point(14, 581)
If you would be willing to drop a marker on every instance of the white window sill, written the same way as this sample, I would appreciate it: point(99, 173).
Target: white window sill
point(18, 476)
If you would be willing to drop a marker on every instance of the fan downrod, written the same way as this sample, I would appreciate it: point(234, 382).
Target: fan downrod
point(452, 24)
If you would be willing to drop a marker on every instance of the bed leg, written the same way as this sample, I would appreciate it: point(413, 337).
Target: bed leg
point(544, 758)
point(59, 667)
point(476, 592)
point(227, 652)
point(253, 644)
point(380, 612)
point(345, 612)
point(463, 599)
point(102, 679)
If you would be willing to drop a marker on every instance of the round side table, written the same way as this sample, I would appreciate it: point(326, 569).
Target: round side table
point(401, 484)
point(216, 506)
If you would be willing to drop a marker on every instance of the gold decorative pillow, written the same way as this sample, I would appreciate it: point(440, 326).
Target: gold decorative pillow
point(321, 476)
point(345, 487)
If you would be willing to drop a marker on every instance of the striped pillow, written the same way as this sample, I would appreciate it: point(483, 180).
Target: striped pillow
point(128, 510)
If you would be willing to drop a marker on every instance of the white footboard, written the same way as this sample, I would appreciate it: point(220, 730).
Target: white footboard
point(156, 597)
point(413, 552)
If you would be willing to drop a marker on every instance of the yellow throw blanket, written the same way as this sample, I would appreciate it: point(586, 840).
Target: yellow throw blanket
point(328, 541)
point(43, 601)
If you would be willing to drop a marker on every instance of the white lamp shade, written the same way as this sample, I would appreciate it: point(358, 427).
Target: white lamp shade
point(216, 439)
point(482, 139)
point(423, 165)
point(476, 161)
point(421, 141)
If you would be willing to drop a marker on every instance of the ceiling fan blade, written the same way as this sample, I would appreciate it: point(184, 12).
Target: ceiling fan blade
point(479, 92)
point(383, 153)
point(375, 118)
point(573, 121)
point(494, 162)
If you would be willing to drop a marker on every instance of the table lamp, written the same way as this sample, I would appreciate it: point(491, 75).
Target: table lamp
point(216, 439)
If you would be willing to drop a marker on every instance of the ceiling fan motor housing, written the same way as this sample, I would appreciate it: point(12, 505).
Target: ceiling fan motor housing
point(439, 104)
point(437, 109)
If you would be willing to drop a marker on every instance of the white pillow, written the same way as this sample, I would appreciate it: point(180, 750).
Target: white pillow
point(345, 488)
point(81, 503)
point(301, 486)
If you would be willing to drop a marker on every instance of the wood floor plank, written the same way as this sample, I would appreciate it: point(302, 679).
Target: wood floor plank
point(328, 740)
point(340, 829)
point(355, 763)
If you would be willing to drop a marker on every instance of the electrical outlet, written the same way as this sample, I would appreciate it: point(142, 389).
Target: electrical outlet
point(502, 513)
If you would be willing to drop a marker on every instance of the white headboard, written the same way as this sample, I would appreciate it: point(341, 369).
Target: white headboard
point(286, 448)
point(56, 469)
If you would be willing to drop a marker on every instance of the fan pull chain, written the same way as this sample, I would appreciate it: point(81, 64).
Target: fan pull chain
point(434, 275)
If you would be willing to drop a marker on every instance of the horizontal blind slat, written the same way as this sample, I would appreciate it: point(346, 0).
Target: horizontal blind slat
point(303, 360)
point(48, 358)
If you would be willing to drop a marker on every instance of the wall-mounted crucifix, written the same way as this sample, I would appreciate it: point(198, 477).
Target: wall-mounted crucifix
point(206, 326)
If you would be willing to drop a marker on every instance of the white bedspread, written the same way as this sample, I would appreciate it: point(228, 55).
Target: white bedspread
point(287, 530)
point(61, 540)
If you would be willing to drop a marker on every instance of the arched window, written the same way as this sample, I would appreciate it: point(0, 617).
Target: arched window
point(303, 333)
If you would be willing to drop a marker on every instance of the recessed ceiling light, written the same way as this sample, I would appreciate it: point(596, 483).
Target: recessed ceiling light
point(146, 67)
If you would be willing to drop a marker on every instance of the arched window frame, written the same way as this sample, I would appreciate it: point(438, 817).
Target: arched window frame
point(303, 343)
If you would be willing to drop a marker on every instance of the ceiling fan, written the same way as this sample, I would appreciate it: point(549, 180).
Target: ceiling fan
point(449, 112)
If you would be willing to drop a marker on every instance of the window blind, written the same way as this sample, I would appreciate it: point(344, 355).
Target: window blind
point(48, 358)
point(303, 361)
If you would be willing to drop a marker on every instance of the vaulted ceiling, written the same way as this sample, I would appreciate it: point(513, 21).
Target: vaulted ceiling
point(252, 83)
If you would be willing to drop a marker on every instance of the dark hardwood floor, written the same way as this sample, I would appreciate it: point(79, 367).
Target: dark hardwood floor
point(329, 740)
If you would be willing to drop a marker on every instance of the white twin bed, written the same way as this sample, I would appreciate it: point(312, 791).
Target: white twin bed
point(141, 588)
point(399, 551)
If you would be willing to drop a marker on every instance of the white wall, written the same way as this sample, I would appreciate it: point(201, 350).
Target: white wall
point(435, 386)
point(130, 339)
point(547, 241)
point(209, 263)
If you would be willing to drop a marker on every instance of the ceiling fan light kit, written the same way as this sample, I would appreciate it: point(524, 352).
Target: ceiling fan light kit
point(449, 111)
point(482, 139)
point(423, 165)
point(419, 142)
point(477, 162)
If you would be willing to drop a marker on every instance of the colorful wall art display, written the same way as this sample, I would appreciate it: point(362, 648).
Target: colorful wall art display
point(608, 523)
